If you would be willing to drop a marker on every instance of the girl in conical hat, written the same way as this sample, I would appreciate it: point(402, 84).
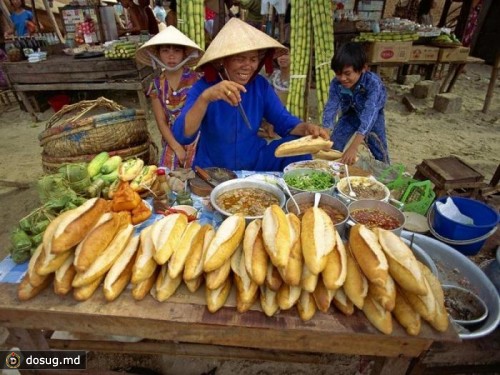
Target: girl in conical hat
point(232, 90)
point(175, 54)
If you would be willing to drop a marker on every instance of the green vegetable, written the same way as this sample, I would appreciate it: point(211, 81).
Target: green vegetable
point(20, 255)
point(111, 164)
point(37, 239)
point(40, 226)
point(95, 165)
point(315, 181)
point(20, 239)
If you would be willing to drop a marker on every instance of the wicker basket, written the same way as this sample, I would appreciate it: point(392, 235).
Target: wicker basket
point(148, 152)
point(74, 131)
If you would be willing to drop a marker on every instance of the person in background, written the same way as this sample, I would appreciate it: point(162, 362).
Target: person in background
point(232, 84)
point(253, 16)
point(137, 17)
point(151, 19)
point(172, 14)
point(20, 18)
point(168, 92)
point(424, 16)
point(280, 78)
point(159, 11)
point(360, 96)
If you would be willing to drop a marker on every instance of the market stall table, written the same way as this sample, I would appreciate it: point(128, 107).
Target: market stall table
point(184, 320)
point(62, 72)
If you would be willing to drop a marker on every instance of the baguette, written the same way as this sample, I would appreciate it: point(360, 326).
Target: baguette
point(335, 271)
point(26, 291)
point(386, 295)
point(322, 296)
point(288, 296)
point(302, 146)
point(318, 238)
point(215, 279)
point(77, 224)
point(64, 277)
point(276, 235)
point(34, 263)
point(145, 264)
point(216, 298)
point(190, 240)
point(165, 285)
point(377, 315)
point(273, 278)
point(141, 289)
point(246, 288)
point(356, 285)
point(96, 241)
point(330, 154)
point(308, 280)
point(343, 303)
point(106, 259)
point(369, 255)
point(292, 273)
point(268, 300)
point(193, 268)
point(406, 315)
point(424, 305)
point(306, 306)
point(440, 320)
point(224, 244)
point(194, 284)
point(83, 293)
point(120, 273)
point(243, 306)
point(255, 255)
point(166, 235)
point(403, 266)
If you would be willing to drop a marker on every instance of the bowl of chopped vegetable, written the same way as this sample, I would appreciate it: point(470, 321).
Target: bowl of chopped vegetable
point(309, 180)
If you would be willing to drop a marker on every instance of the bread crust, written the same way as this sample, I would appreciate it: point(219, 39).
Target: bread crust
point(140, 290)
point(273, 278)
point(165, 285)
point(189, 241)
point(330, 154)
point(406, 315)
point(166, 235)
point(268, 300)
point(335, 271)
point(276, 235)
point(26, 291)
point(224, 244)
point(246, 288)
point(308, 280)
point(302, 146)
point(288, 296)
point(292, 273)
point(216, 298)
point(317, 238)
point(83, 293)
point(386, 295)
point(323, 296)
point(343, 303)
point(64, 277)
point(145, 263)
point(440, 320)
point(355, 285)
point(306, 306)
point(193, 268)
point(72, 230)
point(256, 258)
point(377, 315)
point(34, 263)
point(215, 279)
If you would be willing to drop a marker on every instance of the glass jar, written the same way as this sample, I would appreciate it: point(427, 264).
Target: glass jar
point(184, 198)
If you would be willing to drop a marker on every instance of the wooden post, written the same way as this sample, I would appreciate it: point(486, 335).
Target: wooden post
point(53, 19)
point(6, 14)
point(491, 85)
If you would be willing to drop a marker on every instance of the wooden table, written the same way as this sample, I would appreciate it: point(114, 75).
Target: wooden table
point(61, 72)
point(197, 332)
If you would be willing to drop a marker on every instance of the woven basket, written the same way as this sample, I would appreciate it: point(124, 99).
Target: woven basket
point(74, 131)
point(148, 152)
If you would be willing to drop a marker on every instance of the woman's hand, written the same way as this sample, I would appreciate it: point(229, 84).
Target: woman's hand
point(305, 128)
point(228, 91)
point(181, 155)
point(266, 130)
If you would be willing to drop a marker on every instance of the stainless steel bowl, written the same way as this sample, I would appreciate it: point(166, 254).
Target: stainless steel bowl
point(382, 206)
point(455, 295)
point(306, 172)
point(343, 187)
point(326, 199)
point(244, 184)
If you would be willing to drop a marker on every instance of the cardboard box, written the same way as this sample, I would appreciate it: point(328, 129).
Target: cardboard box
point(424, 53)
point(453, 54)
point(389, 51)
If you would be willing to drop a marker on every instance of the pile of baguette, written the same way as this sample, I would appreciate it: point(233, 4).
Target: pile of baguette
point(279, 260)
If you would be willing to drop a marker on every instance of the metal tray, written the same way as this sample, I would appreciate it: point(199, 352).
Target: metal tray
point(455, 268)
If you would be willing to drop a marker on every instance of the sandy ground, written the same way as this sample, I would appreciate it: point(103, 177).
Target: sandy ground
point(424, 134)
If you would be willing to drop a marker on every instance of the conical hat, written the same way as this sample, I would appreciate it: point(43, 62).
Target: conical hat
point(168, 36)
point(237, 37)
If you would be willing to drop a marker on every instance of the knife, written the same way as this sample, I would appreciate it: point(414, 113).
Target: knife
point(203, 174)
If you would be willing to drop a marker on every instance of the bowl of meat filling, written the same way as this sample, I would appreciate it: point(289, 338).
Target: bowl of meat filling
point(247, 197)
point(364, 188)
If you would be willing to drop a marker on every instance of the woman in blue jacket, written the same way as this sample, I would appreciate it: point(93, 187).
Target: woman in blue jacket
point(231, 65)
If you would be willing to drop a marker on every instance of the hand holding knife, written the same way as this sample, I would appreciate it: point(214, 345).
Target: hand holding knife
point(240, 106)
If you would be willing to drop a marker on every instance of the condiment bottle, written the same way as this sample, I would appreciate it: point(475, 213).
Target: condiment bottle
point(163, 190)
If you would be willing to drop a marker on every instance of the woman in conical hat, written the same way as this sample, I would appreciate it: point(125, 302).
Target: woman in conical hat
point(176, 54)
point(231, 83)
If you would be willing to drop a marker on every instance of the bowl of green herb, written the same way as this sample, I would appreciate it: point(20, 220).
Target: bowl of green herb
point(300, 180)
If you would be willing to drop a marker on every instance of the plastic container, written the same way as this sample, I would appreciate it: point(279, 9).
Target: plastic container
point(58, 101)
point(468, 239)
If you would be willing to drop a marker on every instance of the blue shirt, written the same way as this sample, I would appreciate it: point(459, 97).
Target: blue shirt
point(225, 141)
point(361, 111)
point(19, 21)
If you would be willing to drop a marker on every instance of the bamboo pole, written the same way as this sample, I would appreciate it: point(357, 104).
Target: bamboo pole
point(494, 74)
point(6, 13)
point(53, 19)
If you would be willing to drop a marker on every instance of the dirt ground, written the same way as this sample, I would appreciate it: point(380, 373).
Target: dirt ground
point(413, 136)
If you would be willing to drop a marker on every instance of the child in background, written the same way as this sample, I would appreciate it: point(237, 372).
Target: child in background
point(360, 96)
point(168, 92)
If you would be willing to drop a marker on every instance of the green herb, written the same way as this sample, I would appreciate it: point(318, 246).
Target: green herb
point(314, 181)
